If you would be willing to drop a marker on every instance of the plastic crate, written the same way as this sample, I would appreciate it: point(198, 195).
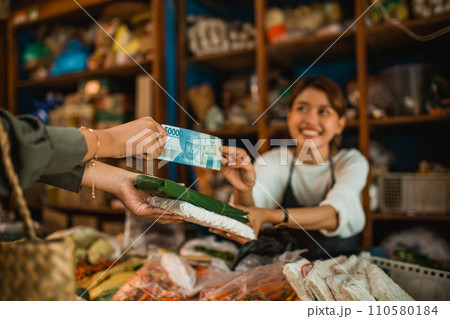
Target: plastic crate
point(414, 193)
point(421, 283)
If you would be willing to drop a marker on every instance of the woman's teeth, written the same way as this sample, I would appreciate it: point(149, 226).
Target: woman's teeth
point(310, 132)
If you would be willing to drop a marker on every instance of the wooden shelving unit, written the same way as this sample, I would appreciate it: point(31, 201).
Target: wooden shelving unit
point(71, 80)
point(357, 43)
point(232, 60)
point(308, 48)
point(389, 37)
point(102, 214)
point(68, 12)
point(53, 12)
point(233, 133)
point(402, 217)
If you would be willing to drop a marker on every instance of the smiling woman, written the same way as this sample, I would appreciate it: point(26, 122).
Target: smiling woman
point(315, 194)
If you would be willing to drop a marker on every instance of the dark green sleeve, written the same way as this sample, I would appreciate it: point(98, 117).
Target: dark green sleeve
point(70, 181)
point(37, 150)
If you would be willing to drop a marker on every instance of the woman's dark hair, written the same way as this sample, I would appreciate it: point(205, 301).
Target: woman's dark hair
point(333, 92)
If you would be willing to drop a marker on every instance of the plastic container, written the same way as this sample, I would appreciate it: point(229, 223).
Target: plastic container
point(421, 283)
point(408, 85)
point(414, 193)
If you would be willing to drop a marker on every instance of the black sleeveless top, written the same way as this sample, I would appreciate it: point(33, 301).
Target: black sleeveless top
point(332, 245)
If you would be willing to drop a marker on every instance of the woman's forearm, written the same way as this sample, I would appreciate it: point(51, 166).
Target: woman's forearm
point(309, 218)
point(105, 177)
point(243, 198)
point(97, 138)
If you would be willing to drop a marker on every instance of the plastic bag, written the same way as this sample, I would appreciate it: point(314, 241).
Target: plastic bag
point(203, 250)
point(153, 281)
point(141, 235)
point(260, 283)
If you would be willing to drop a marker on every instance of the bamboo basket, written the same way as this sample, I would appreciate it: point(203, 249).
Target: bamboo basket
point(33, 269)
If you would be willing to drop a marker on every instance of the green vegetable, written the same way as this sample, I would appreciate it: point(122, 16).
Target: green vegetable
point(225, 255)
point(164, 188)
point(108, 294)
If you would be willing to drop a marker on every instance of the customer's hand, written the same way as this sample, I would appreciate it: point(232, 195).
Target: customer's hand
point(143, 138)
point(237, 168)
point(135, 201)
point(120, 183)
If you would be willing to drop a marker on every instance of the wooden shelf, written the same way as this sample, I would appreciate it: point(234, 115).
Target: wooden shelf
point(53, 9)
point(309, 48)
point(227, 61)
point(72, 79)
point(388, 37)
point(277, 128)
point(390, 216)
point(408, 119)
point(79, 210)
point(234, 133)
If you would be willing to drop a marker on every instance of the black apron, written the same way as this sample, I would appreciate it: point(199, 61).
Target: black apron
point(333, 245)
point(272, 242)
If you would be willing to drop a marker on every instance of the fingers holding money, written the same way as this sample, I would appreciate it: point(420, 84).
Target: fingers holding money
point(150, 145)
point(237, 168)
point(234, 156)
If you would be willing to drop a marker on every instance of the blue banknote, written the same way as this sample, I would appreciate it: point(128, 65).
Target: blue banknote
point(191, 148)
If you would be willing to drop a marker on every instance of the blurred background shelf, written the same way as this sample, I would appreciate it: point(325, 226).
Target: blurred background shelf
point(232, 60)
point(388, 37)
point(408, 120)
point(309, 48)
point(69, 80)
point(234, 132)
point(53, 11)
point(390, 216)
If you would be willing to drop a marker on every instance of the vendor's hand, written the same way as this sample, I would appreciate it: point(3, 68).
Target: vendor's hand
point(116, 139)
point(236, 238)
point(256, 217)
point(237, 168)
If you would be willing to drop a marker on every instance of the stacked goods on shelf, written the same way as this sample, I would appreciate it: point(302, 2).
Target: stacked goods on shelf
point(317, 19)
point(66, 49)
point(208, 35)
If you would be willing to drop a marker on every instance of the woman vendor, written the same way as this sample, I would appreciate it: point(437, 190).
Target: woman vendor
point(316, 195)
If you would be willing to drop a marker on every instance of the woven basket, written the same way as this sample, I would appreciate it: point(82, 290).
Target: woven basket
point(33, 269)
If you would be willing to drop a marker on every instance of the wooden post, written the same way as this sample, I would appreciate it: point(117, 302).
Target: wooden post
point(182, 75)
point(160, 105)
point(361, 63)
point(262, 65)
point(3, 65)
point(12, 67)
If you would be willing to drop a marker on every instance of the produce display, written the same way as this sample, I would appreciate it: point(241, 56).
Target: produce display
point(151, 282)
point(201, 271)
point(102, 284)
point(194, 206)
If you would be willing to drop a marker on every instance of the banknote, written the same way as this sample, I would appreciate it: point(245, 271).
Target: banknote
point(191, 148)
